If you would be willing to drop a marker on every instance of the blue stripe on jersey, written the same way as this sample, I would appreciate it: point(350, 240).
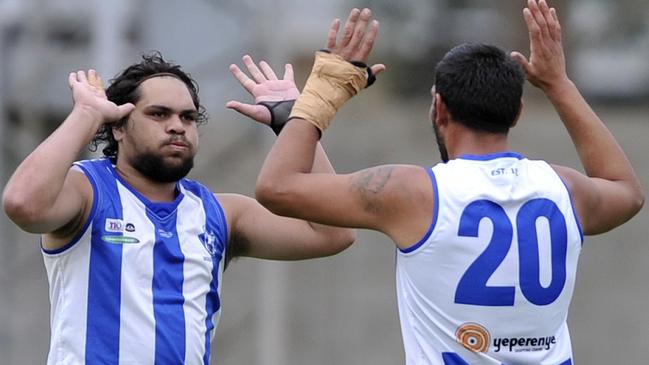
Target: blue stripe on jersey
point(451, 358)
point(167, 288)
point(215, 222)
point(492, 156)
point(104, 281)
point(433, 181)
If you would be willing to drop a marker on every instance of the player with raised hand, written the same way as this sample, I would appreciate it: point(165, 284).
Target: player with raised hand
point(487, 241)
point(134, 251)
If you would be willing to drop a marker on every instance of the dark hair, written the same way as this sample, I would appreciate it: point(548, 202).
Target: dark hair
point(124, 88)
point(481, 86)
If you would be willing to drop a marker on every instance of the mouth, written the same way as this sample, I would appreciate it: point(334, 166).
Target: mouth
point(178, 145)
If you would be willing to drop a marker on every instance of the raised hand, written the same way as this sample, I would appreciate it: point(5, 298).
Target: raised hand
point(89, 95)
point(357, 39)
point(546, 67)
point(265, 88)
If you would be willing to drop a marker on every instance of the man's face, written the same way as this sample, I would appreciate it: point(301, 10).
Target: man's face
point(439, 138)
point(160, 139)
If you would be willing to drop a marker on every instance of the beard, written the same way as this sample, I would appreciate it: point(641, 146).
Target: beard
point(154, 167)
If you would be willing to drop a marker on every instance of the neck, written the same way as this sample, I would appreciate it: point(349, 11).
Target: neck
point(152, 190)
point(461, 140)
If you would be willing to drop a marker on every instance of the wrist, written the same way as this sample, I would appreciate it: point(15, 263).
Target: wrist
point(86, 116)
point(556, 90)
point(332, 82)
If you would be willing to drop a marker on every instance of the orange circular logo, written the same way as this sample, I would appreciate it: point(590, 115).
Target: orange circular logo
point(473, 337)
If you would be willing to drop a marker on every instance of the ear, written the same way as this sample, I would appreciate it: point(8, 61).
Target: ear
point(518, 115)
point(441, 111)
point(118, 132)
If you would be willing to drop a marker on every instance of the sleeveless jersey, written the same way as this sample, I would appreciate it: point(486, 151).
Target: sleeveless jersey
point(490, 283)
point(140, 284)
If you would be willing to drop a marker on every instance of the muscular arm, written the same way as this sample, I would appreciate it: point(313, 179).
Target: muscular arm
point(394, 199)
point(610, 193)
point(256, 232)
point(44, 195)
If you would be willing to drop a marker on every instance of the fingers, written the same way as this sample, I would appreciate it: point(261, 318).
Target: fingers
point(333, 34)
point(257, 112)
point(72, 79)
point(81, 77)
point(243, 79)
point(359, 29)
point(91, 78)
point(256, 74)
point(522, 60)
point(350, 25)
point(555, 28)
point(288, 72)
point(538, 14)
point(368, 41)
point(124, 110)
point(532, 26)
point(267, 70)
point(377, 69)
point(259, 74)
point(95, 81)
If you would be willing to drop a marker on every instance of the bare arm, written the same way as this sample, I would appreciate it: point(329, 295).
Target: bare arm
point(610, 193)
point(256, 232)
point(44, 195)
point(393, 199)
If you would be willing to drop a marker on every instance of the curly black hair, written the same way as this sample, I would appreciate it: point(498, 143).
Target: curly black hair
point(124, 89)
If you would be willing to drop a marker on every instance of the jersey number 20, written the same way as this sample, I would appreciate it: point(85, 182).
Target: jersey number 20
point(473, 288)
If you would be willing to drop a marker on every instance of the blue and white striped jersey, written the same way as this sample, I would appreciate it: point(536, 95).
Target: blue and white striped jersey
point(141, 282)
point(491, 281)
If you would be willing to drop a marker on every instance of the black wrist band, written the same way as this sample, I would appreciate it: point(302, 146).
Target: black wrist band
point(279, 113)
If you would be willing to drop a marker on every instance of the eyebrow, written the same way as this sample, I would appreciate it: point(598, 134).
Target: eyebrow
point(169, 110)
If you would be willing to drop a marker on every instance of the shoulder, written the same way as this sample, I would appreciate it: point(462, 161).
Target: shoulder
point(235, 205)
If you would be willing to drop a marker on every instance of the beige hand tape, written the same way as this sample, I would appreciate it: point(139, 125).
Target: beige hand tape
point(332, 82)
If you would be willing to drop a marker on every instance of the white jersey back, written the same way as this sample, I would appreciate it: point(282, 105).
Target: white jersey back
point(141, 283)
point(491, 281)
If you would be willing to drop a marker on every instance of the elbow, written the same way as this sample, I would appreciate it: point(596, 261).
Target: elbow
point(19, 209)
point(273, 197)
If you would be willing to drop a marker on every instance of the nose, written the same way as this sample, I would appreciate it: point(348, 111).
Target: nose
point(175, 125)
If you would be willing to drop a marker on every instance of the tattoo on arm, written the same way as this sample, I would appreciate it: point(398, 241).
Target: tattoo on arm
point(371, 182)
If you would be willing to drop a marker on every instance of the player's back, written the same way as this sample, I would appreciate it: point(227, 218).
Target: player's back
point(491, 281)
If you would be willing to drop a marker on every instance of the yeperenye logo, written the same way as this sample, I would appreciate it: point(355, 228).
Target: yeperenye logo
point(473, 337)
point(477, 338)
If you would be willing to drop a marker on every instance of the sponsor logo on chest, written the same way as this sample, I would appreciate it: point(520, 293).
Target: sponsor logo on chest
point(113, 225)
